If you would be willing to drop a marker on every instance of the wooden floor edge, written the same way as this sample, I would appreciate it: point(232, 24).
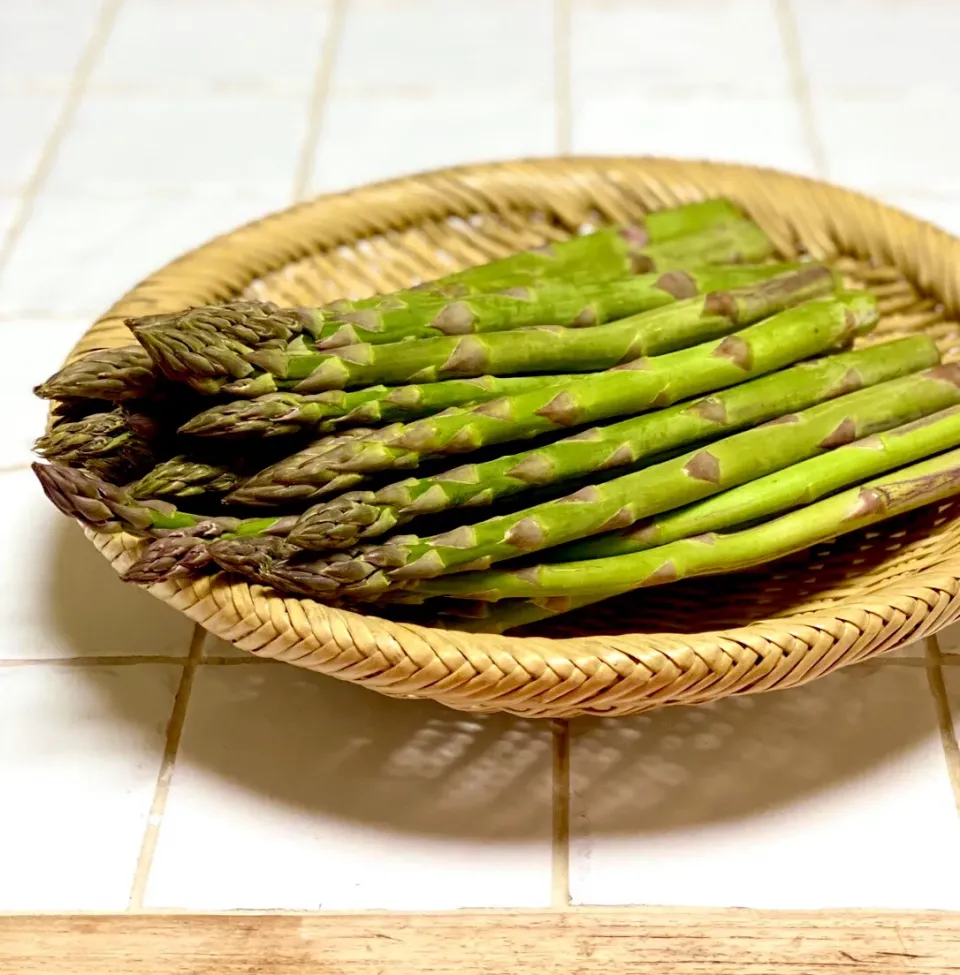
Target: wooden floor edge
point(639, 941)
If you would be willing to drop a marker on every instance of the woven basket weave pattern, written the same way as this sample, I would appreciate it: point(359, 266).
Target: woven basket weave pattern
point(795, 621)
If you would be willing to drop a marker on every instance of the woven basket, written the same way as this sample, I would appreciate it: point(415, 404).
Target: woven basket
point(686, 643)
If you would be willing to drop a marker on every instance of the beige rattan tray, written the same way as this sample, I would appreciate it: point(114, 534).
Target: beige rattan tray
point(686, 643)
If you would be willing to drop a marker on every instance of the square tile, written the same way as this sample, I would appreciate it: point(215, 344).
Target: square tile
point(170, 46)
point(429, 49)
point(366, 139)
point(80, 750)
point(951, 679)
point(217, 144)
point(213, 646)
point(9, 208)
point(41, 40)
point(77, 256)
point(899, 45)
point(36, 349)
point(26, 121)
point(725, 47)
point(911, 651)
point(62, 598)
point(797, 799)
point(298, 791)
point(762, 131)
point(894, 144)
point(949, 639)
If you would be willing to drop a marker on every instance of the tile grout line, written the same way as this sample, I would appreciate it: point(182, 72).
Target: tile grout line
point(319, 97)
point(105, 660)
point(948, 736)
point(800, 84)
point(560, 809)
point(71, 103)
point(161, 790)
point(562, 75)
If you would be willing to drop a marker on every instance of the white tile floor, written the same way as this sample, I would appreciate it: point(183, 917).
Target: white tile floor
point(779, 801)
point(135, 129)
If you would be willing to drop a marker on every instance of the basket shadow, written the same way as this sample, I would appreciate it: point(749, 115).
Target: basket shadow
point(338, 751)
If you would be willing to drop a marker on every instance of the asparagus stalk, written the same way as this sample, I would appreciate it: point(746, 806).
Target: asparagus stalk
point(574, 305)
point(500, 353)
point(803, 483)
point(711, 554)
point(81, 495)
point(102, 443)
point(605, 254)
point(362, 515)
point(621, 502)
point(188, 552)
point(285, 414)
point(545, 349)
point(110, 374)
point(207, 347)
point(185, 477)
point(645, 383)
point(108, 508)
point(244, 328)
point(181, 539)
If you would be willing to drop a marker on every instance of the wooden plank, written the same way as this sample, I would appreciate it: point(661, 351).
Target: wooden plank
point(654, 941)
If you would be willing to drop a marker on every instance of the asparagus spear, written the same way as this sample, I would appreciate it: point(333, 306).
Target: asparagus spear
point(102, 443)
point(362, 515)
point(533, 350)
point(82, 495)
point(108, 508)
point(544, 349)
point(575, 305)
point(182, 545)
point(605, 254)
point(184, 477)
point(110, 374)
point(188, 552)
point(621, 502)
point(765, 347)
point(800, 484)
point(191, 476)
point(285, 414)
point(892, 494)
point(244, 328)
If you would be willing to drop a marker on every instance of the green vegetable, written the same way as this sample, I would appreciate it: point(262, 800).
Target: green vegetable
point(102, 443)
point(644, 383)
point(623, 501)
point(877, 500)
point(285, 414)
point(110, 374)
point(250, 344)
point(362, 515)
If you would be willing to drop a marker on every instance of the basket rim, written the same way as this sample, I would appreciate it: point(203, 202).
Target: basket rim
point(227, 263)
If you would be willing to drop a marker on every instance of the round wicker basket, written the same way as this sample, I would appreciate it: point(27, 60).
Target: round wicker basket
point(685, 643)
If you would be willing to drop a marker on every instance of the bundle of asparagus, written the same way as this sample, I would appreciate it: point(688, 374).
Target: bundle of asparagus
point(695, 408)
